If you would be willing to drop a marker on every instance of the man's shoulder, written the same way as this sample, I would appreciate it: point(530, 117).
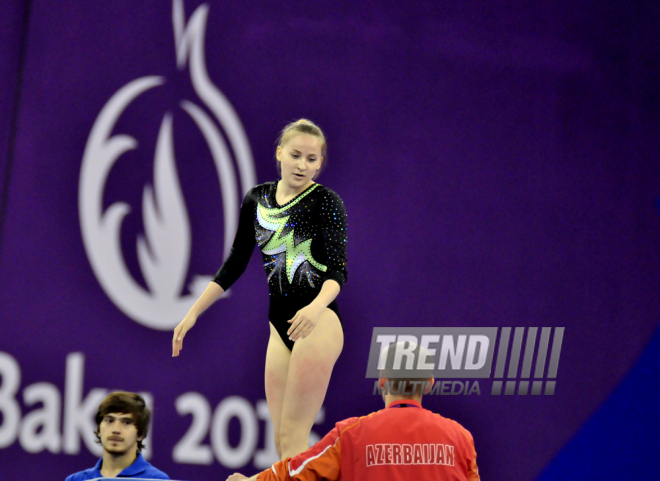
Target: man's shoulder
point(83, 475)
point(377, 418)
point(153, 473)
point(448, 421)
point(425, 415)
point(348, 422)
point(141, 468)
point(356, 421)
point(451, 426)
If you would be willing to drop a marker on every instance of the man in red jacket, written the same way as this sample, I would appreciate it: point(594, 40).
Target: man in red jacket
point(401, 442)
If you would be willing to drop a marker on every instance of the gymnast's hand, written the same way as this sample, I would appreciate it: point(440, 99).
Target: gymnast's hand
point(305, 321)
point(212, 293)
point(180, 332)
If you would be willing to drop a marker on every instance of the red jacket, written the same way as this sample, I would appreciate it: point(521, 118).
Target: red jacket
point(402, 442)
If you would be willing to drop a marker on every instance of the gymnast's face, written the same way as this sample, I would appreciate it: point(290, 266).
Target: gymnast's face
point(300, 159)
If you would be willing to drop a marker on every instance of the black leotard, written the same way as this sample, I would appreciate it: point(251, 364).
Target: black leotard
point(303, 244)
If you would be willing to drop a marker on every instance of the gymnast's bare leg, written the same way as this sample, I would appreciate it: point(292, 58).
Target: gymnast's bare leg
point(297, 381)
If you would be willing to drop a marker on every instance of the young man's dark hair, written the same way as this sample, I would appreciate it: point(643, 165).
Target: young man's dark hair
point(126, 403)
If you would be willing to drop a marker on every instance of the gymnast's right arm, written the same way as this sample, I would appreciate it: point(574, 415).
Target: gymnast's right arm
point(231, 270)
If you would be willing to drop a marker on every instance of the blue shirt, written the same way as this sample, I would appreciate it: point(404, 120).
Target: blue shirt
point(139, 469)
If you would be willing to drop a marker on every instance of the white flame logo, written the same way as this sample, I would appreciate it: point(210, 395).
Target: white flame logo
point(164, 254)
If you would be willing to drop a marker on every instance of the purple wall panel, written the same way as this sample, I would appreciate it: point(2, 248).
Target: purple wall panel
point(12, 28)
point(498, 165)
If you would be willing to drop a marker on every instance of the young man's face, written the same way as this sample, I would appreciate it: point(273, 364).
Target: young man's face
point(118, 433)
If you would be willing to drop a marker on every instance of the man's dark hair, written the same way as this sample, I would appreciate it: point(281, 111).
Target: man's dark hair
point(125, 402)
point(400, 375)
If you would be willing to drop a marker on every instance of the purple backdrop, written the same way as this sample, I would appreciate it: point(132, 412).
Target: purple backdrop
point(498, 164)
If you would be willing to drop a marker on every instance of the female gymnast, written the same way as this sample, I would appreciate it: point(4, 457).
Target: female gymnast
point(300, 227)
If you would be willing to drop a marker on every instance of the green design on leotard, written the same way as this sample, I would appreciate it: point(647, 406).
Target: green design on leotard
point(271, 219)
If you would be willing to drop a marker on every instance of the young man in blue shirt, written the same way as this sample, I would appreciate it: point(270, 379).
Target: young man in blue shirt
point(122, 422)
